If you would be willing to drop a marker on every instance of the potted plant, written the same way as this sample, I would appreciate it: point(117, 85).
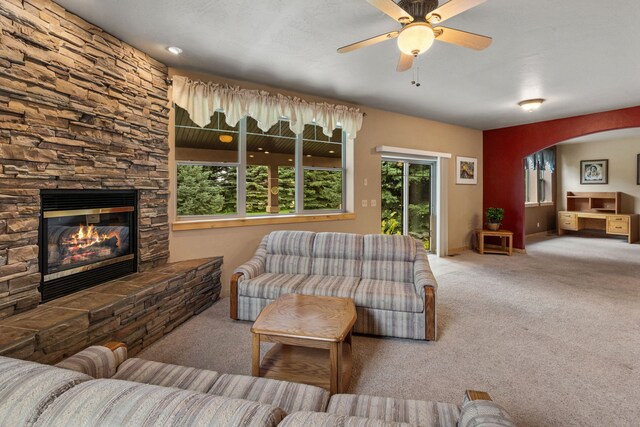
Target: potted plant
point(494, 217)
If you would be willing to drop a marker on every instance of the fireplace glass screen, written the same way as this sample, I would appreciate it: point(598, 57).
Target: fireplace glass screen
point(80, 242)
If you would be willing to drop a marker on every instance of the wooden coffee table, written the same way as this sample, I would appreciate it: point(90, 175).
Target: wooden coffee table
point(313, 341)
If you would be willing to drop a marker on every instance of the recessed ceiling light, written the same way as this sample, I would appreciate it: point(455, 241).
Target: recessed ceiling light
point(266, 152)
point(175, 50)
point(226, 138)
point(251, 155)
point(530, 105)
point(291, 160)
point(260, 149)
point(308, 155)
point(331, 151)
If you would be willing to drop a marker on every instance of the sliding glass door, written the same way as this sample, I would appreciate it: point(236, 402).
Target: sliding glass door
point(407, 199)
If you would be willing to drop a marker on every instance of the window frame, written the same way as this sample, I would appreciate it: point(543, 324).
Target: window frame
point(538, 187)
point(241, 183)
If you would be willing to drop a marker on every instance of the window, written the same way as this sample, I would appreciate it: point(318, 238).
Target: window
point(538, 178)
point(242, 171)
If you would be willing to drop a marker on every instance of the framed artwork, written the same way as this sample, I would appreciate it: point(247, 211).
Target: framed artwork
point(466, 170)
point(638, 170)
point(594, 171)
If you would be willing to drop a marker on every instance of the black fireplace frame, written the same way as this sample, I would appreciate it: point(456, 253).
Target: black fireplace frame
point(70, 200)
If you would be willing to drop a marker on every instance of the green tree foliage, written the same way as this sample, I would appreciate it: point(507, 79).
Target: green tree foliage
point(203, 190)
point(391, 197)
point(257, 186)
point(211, 190)
point(322, 189)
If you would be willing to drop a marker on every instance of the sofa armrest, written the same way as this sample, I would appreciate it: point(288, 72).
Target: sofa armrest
point(422, 274)
point(97, 361)
point(478, 410)
point(256, 265)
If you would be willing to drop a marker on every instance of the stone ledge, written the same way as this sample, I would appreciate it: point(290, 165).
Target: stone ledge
point(137, 309)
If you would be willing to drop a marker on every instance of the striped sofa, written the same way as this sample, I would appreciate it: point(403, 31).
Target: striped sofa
point(388, 277)
point(101, 387)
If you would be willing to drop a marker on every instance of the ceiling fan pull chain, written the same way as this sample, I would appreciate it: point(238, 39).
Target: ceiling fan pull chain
point(418, 76)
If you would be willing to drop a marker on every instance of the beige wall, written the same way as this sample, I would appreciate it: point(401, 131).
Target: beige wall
point(379, 128)
point(622, 155)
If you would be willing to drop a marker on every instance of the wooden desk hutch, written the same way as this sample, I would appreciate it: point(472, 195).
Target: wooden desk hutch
point(597, 211)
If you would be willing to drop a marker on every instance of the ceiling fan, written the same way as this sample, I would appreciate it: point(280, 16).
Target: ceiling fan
point(418, 33)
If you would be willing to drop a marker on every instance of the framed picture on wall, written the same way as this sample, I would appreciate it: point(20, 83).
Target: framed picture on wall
point(594, 171)
point(466, 170)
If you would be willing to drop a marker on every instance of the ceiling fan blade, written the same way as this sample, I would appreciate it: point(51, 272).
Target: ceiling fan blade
point(451, 9)
point(392, 9)
point(368, 42)
point(405, 63)
point(462, 38)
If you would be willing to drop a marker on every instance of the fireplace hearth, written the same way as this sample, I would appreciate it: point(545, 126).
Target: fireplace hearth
point(87, 237)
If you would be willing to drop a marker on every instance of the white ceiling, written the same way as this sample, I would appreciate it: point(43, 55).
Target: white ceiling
point(583, 56)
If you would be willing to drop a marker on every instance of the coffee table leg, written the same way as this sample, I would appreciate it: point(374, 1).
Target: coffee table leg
point(335, 354)
point(255, 355)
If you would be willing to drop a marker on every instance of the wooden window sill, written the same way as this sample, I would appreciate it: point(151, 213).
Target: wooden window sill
point(205, 224)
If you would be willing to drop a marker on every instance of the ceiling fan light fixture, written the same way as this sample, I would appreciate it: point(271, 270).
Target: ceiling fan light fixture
point(416, 38)
point(175, 50)
point(530, 105)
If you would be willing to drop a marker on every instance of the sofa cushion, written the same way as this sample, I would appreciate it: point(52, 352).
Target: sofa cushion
point(122, 403)
point(386, 295)
point(291, 397)
point(96, 361)
point(316, 419)
point(27, 388)
point(337, 254)
point(167, 375)
point(270, 285)
point(289, 252)
point(388, 257)
point(332, 286)
point(414, 412)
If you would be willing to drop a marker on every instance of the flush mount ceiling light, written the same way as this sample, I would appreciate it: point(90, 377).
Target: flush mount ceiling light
point(175, 50)
point(226, 138)
point(530, 105)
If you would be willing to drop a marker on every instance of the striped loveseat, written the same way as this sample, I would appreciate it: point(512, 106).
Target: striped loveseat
point(101, 387)
point(388, 277)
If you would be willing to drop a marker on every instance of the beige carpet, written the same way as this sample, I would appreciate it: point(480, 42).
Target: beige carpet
point(553, 335)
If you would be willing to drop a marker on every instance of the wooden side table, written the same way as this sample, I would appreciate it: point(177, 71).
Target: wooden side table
point(504, 236)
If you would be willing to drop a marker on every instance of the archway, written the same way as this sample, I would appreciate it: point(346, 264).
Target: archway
point(504, 149)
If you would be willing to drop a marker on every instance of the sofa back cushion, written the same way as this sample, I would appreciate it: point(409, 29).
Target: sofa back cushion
point(27, 388)
point(388, 257)
point(109, 402)
point(337, 254)
point(289, 252)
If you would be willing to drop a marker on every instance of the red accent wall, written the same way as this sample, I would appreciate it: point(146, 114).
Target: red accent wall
point(504, 150)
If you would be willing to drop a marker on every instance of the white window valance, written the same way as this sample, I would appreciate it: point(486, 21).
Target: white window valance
point(202, 99)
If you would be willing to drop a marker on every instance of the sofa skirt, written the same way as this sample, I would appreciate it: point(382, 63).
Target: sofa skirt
point(370, 321)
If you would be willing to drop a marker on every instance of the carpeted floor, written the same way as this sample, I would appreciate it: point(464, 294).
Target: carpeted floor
point(553, 335)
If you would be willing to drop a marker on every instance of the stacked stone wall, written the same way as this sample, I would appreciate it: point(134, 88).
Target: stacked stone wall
point(79, 109)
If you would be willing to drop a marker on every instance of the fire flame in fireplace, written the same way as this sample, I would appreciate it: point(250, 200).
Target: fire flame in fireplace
point(88, 236)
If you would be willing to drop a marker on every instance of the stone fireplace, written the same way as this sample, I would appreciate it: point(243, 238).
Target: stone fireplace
point(86, 238)
point(84, 188)
point(80, 111)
